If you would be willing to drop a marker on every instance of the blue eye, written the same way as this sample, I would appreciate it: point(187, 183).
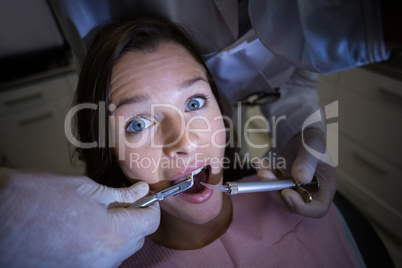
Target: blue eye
point(139, 124)
point(195, 104)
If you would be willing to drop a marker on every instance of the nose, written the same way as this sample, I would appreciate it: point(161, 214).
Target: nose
point(179, 139)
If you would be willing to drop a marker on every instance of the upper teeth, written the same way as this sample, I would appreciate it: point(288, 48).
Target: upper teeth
point(195, 172)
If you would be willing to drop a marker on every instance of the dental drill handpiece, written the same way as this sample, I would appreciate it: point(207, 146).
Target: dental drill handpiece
point(232, 188)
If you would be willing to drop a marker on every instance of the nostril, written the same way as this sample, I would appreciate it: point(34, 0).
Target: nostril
point(181, 145)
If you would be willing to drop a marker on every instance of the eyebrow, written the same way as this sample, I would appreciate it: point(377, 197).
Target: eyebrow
point(146, 97)
point(192, 81)
point(133, 100)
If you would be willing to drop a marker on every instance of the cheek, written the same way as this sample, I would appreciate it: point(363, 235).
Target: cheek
point(127, 146)
point(218, 133)
point(135, 157)
point(221, 133)
point(139, 164)
point(197, 214)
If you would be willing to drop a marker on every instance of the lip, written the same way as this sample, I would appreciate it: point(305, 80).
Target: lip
point(202, 196)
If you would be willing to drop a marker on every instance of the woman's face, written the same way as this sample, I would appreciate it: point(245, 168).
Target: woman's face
point(167, 124)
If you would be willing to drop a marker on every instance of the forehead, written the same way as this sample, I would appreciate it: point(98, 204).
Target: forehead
point(140, 69)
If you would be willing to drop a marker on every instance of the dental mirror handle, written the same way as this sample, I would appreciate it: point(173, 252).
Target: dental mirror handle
point(159, 196)
point(144, 202)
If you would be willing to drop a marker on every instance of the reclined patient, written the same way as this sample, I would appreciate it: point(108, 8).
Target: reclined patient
point(165, 120)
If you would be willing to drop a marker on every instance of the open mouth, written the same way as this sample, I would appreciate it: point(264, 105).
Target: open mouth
point(200, 175)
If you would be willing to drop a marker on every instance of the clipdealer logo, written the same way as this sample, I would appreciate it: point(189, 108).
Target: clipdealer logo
point(331, 155)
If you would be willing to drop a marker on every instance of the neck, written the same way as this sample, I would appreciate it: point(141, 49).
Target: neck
point(178, 234)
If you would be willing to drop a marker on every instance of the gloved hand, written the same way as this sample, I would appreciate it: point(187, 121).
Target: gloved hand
point(61, 221)
point(302, 166)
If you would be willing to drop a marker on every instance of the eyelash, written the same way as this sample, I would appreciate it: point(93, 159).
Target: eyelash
point(202, 96)
point(143, 116)
point(140, 116)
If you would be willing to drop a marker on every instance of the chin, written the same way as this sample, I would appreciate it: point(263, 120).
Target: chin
point(194, 213)
point(209, 211)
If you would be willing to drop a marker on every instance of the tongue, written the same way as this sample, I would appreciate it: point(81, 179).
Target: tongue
point(200, 177)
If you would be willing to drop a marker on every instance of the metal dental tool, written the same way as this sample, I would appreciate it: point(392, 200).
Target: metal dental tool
point(232, 188)
point(159, 196)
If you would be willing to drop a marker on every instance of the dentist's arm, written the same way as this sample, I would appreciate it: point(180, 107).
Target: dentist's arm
point(53, 220)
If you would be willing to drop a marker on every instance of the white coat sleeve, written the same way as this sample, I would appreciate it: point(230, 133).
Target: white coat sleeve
point(299, 100)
